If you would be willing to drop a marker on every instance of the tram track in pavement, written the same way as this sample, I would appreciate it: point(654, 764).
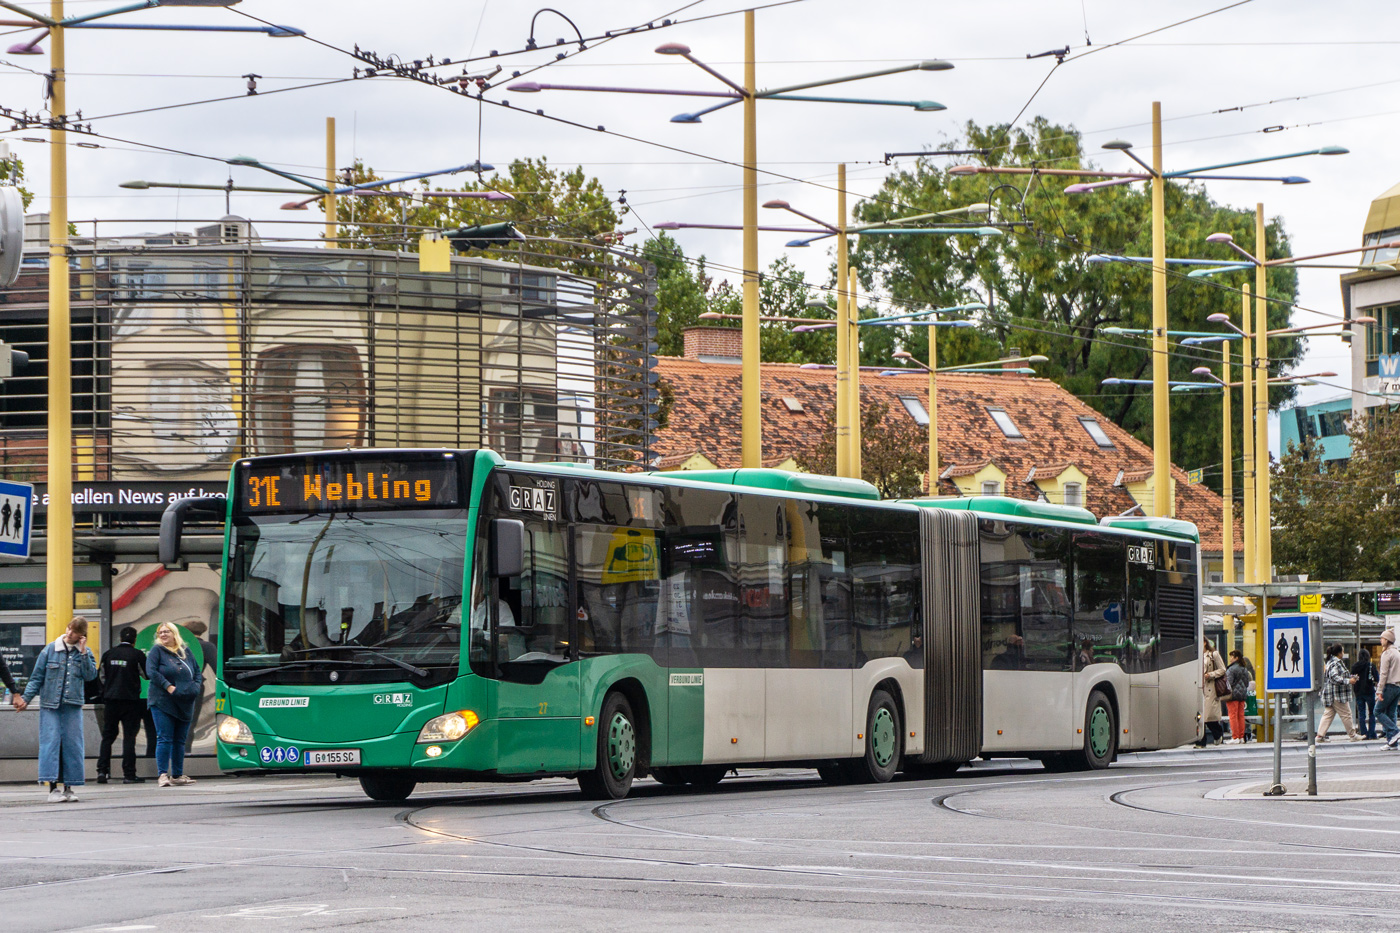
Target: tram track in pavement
point(924, 882)
point(915, 878)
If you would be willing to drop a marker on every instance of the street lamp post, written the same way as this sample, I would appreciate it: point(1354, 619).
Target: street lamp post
point(749, 95)
point(1162, 499)
point(58, 576)
point(933, 371)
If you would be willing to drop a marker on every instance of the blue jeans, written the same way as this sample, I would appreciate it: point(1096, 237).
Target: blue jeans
point(61, 740)
point(1366, 706)
point(1385, 710)
point(170, 743)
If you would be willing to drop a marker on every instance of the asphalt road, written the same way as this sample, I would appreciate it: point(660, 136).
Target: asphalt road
point(1142, 847)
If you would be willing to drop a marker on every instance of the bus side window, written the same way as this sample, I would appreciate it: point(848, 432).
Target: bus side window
point(1100, 584)
point(1142, 612)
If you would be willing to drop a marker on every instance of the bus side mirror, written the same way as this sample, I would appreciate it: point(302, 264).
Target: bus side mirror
point(172, 525)
point(507, 547)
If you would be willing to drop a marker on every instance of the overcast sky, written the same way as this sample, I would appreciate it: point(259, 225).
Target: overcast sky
point(1239, 81)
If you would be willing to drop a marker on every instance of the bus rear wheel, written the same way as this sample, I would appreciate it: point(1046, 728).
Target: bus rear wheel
point(884, 745)
point(611, 777)
point(1100, 737)
point(387, 787)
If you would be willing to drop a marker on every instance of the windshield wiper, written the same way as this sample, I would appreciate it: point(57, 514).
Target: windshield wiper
point(402, 665)
point(309, 662)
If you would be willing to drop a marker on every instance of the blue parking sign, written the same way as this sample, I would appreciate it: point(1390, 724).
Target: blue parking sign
point(1289, 665)
point(16, 506)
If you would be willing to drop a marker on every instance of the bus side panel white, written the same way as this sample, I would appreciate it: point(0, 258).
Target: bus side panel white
point(1181, 704)
point(910, 684)
point(734, 714)
point(1143, 727)
point(1028, 711)
point(809, 714)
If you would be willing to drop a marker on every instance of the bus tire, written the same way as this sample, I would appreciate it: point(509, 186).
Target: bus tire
point(611, 777)
point(671, 777)
point(1100, 736)
point(925, 771)
point(387, 787)
point(884, 745)
point(704, 775)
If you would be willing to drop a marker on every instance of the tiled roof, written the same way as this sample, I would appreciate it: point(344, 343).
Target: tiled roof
point(964, 469)
point(706, 418)
point(1046, 471)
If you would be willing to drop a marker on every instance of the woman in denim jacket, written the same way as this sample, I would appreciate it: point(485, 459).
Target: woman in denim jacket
point(60, 672)
point(176, 682)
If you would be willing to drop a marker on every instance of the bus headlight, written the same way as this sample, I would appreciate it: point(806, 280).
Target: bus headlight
point(234, 732)
point(449, 728)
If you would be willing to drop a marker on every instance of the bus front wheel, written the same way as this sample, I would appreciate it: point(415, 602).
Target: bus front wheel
point(387, 787)
point(611, 777)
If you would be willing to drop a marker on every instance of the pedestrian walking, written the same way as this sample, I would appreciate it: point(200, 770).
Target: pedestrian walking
point(176, 682)
point(1388, 689)
point(1364, 690)
point(1214, 669)
point(123, 668)
point(1238, 677)
point(60, 672)
point(1336, 695)
point(9, 682)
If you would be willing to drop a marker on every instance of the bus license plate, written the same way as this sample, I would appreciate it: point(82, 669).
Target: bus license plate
point(339, 756)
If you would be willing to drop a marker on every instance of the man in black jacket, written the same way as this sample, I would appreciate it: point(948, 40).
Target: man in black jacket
point(123, 666)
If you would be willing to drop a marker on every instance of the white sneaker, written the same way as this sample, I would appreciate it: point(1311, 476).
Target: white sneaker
point(55, 796)
point(182, 780)
point(163, 781)
point(68, 795)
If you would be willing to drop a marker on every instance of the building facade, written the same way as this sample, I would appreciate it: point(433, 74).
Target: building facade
point(191, 350)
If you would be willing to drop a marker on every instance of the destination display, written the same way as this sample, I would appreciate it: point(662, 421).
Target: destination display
point(346, 485)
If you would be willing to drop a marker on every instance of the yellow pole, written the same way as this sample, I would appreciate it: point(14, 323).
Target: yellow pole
point(1227, 486)
point(932, 410)
point(1263, 555)
point(853, 306)
point(1161, 409)
point(1247, 433)
point(331, 218)
point(843, 332)
point(59, 563)
point(752, 389)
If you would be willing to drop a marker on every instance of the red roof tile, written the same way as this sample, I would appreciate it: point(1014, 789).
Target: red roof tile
point(705, 417)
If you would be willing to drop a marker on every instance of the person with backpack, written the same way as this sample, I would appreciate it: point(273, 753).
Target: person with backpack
point(1238, 677)
point(1336, 695)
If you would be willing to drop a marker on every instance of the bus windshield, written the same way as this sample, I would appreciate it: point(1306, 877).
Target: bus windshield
point(349, 597)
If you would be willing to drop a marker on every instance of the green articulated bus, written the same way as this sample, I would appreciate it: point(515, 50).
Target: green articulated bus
point(410, 616)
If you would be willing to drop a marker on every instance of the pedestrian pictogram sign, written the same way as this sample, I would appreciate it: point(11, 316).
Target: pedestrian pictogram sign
point(1290, 666)
point(16, 506)
point(1310, 602)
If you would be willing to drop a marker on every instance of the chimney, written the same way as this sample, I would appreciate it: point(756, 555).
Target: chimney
point(1011, 354)
point(714, 344)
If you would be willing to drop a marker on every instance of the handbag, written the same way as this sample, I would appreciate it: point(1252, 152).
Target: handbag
point(1222, 686)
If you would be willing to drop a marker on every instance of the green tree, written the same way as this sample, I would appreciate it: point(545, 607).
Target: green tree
point(893, 452)
point(1338, 521)
point(1045, 296)
point(12, 173)
point(568, 210)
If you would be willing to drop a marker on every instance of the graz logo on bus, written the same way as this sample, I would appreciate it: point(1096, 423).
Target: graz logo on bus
point(1142, 554)
point(532, 499)
point(393, 699)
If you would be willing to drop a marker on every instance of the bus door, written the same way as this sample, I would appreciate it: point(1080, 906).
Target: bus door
point(1141, 656)
point(537, 660)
